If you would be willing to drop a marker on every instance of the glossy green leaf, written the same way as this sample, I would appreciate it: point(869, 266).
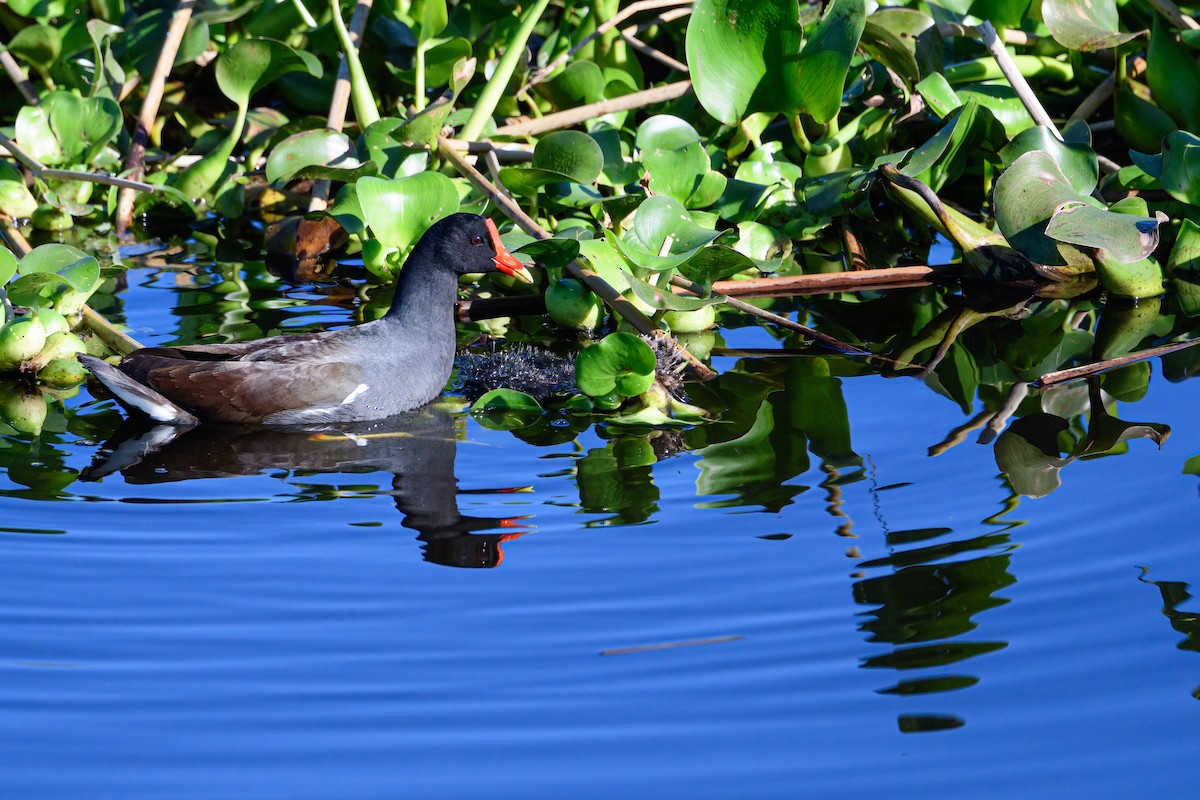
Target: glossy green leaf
point(938, 94)
point(39, 45)
point(1075, 159)
point(550, 253)
point(1028, 194)
point(1140, 123)
point(562, 156)
point(399, 211)
point(742, 55)
point(665, 299)
point(251, 64)
point(1181, 166)
point(826, 57)
point(580, 82)
point(330, 152)
point(15, 198)
point(8, 266)
point(1085, 24)
point(658, 219)
point(620, 362)
point(1173, 75)
point(1126, 237)
point(506, 410)
point(76, 267)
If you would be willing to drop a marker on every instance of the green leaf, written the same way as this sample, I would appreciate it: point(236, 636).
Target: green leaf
point(8, 265)
point(251, 64)
point(1075, 159)
point(1184, 267)
point(39, 45)
point(1085, 25)
point(1181, 166)
point(619, 361)
point(938, 94)
point(15, 198)
point(1128, 238)
point(658, 218)
point(550, 253)
point(1028, 194)
point(665, 299)
point(506, 410)
point(433, 20)
point(77, 268)
point(742, 55)
point(331, 150)
point(674, 158)
point(826, 57)
point(1173, 75)
point(399, 211)
point(559, 157)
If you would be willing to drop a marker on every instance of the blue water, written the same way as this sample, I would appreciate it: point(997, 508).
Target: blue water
point(895, 628)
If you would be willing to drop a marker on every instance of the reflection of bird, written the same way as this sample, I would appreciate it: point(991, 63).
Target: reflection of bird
point(367, 372)
point(417, 447)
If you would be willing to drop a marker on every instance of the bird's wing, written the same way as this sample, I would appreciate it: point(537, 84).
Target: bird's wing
point(249, 391)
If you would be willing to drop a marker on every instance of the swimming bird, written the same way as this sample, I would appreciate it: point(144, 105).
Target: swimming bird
point(371, 371)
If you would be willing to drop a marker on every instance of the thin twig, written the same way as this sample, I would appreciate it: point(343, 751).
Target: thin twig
point(853, 254)
point(650, 52)
point(1021, 86)
point(1087, 370)
point(601, 29)
point(46, 173)
point(135, 158)
point(856, 281)
point(783, 322)
point(1105, 90)
point(340, 100)
point(574, 116)
point(575, 269)
point(1173, 15)
point(18, 77)
point(507, 152)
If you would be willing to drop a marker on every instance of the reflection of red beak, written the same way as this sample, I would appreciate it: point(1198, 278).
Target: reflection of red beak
point(505, 261)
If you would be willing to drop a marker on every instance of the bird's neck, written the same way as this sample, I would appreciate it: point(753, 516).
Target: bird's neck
point(425, 291)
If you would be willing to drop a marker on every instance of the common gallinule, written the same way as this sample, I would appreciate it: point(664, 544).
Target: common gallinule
point(370, 371)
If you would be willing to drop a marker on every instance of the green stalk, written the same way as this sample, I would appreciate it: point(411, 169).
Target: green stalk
point(305, 16)
point(489, 98)
point(365, 110)
point(986, 69)
point(419, 79)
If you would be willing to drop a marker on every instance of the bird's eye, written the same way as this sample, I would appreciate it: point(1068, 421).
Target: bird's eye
point(477, 240)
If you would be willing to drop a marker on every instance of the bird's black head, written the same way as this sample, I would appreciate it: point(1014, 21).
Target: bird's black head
point(470, 243)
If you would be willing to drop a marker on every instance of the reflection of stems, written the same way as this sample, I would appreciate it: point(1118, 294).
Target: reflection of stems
point(959, 435)
point(837, 501)
point(1016, 395)
point(135, 158)
point(611, 297)
point(783, 322)
point(1087, 370)
point(574, 116)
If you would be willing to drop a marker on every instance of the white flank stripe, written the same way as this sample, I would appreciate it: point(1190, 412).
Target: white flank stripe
point(362, 387)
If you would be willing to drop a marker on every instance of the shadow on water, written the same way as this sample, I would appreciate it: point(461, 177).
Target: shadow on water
point(418, 449)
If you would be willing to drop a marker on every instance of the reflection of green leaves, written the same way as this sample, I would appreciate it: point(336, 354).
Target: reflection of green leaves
point(619, 361)
point(506, 409)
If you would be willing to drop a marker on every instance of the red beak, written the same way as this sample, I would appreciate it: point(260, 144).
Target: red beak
point(505, 261)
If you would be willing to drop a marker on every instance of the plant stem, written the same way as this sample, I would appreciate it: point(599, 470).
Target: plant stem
point(336, 119)
point(135, 164)
point(992, 42)
point(45, 173)
point(305, 16)
point(574, 116)
point(365, 109)
point(19, 78)
point(494, 90)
